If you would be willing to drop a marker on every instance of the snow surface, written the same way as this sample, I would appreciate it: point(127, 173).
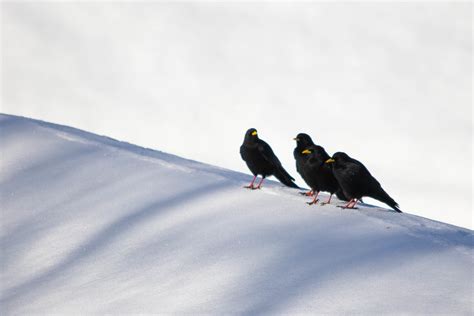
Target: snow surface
point(93, 225)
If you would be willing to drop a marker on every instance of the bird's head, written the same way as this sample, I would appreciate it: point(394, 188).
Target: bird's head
point(337, 158)
point(251, 135)
point(303, 140)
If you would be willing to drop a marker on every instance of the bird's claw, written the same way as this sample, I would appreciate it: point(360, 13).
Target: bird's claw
point(309, 193)
point(347, 208)
point(251, 187)
point(312, 202)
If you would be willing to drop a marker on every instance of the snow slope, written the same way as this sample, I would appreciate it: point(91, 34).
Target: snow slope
point(93, 225)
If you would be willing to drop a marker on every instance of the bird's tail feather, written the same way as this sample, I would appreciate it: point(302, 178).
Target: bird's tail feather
point(285, 178)
point(383, 196)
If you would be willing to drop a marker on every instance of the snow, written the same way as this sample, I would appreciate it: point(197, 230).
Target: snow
point(90, 225)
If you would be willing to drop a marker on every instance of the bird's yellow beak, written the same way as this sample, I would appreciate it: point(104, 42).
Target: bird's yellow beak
point(306, 151)
point(254, 133)
point(330, 160)
point(296, 138)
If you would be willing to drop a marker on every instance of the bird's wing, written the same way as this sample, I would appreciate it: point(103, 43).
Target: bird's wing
point(361, 174)
point(268, 154)
point(243, 152)
point(280, 173)
point(369, 175)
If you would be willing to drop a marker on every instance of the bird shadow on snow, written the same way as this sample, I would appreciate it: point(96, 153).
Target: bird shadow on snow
point(100, 240)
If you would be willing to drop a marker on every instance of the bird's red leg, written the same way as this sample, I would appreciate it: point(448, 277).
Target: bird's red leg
point(351, 204)
point(309, 193)
point(250, 186)
point(315, 198)
point(354, 204)
point(259, 184)
point(348, 204)
point(328, 201)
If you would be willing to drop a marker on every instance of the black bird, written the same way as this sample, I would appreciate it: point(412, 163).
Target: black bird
point(310, 165)
point(262, 161)
point(356, 181)
point(303, 141)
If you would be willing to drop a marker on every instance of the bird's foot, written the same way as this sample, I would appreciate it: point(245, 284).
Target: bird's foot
point(312, 202)
point(309, 193)
point(348, 207)
point(251, 187)
point(324, 203)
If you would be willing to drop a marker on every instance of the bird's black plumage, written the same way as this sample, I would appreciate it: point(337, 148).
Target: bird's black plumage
point(320, 172)
point(303, 141)
point(310, 165)
point(261, 160)
point(356, 181)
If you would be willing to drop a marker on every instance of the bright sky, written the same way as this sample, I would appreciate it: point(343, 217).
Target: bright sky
point(388, 83)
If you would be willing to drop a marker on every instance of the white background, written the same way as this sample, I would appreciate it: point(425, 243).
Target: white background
point(388, 83)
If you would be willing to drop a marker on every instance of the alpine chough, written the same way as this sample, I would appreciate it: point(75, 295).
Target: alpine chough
point(356, 181)
point(262, 161)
